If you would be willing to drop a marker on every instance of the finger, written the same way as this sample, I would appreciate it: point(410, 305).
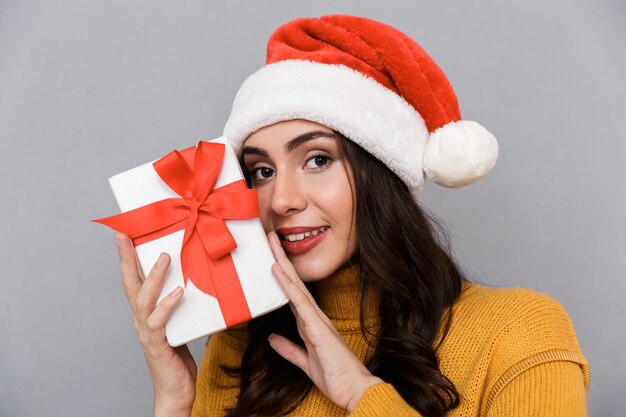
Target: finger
point(294, 290)
point(163, 311)
point(293, 309)
point(131, 280)
point(289, 270)
point(149, 292)
point(125, 240)
point(305, 307)
point(280, 255)
point(290, 351)
point(139, 268)
point(286, 264)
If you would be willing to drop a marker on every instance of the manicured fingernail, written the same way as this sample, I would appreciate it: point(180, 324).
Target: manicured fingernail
point(177, 292)
point(269, 338)
point(161, 260)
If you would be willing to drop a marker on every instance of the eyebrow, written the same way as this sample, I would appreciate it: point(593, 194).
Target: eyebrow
point(291, 145)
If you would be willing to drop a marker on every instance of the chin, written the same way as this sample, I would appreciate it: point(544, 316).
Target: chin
point(313, 270)
point(317, 268)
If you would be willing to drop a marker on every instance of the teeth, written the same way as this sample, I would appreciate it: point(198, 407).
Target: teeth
point(301, 236)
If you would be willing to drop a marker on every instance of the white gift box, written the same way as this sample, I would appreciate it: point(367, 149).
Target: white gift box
point(198, 314)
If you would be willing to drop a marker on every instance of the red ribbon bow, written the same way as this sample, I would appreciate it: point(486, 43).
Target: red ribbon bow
point(201, 212)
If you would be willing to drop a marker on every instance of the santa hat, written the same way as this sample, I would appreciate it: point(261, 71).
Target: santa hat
point(374, 85)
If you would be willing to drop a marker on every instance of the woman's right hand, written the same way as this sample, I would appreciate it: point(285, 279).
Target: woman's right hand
point(172, 370)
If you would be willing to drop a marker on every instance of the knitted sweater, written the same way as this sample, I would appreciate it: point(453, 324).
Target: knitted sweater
point(509, 352)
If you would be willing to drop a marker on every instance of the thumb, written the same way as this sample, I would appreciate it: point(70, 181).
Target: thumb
point(290, 351)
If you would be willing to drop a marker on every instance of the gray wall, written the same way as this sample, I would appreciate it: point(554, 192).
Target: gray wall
point(91, 88)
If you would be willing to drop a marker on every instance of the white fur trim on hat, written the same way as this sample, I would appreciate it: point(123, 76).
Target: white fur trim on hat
point(336, 96)
point(460, 153)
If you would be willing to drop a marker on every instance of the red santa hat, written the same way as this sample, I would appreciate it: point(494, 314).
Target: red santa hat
point(374, 85)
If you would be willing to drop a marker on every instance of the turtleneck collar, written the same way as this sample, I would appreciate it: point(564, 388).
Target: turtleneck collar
point(339, 298)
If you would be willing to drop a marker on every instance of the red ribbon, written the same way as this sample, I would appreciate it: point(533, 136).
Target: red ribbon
point(201, 211)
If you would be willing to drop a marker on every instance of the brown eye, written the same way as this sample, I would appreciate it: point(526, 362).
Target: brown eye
point(317, 161)
point(262, 173)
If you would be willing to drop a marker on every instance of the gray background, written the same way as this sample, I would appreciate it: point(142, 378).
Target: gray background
point(92, 88)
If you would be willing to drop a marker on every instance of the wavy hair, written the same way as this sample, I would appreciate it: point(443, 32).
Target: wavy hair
point(405, 257)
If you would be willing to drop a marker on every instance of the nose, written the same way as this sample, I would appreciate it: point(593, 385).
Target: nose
point(288, 195)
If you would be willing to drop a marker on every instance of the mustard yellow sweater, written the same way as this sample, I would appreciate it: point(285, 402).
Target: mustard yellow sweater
point(509, 352)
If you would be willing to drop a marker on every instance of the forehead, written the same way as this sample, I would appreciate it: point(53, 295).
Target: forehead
point(283, 139)
point(284, 131)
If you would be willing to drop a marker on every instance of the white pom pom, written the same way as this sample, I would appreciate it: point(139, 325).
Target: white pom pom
point(459, 154)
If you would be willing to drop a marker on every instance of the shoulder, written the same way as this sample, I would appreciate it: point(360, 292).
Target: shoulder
point(507, 331)
point(473, 293)
point(516, 314)
point(504, 305)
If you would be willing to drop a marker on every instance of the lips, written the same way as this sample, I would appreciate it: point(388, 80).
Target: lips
point(304, 245)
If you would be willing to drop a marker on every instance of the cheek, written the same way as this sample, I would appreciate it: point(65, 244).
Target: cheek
point(335, 199)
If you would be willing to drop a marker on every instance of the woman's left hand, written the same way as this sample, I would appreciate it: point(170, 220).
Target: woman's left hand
point(327, 360)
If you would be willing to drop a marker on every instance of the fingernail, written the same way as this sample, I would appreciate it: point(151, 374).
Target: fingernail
point(269, 338)
point(118, 238)
point(277, 266)
point(177, 292)
point(161, 260)
point(276, 239)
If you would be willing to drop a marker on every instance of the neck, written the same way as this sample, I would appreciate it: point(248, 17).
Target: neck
point(338, 295)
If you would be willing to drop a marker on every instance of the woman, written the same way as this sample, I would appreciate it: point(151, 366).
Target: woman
point(335, 133)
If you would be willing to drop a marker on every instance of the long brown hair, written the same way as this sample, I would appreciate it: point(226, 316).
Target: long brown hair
point(404, 255)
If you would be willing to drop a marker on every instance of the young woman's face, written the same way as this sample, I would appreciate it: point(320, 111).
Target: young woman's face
point(304, 194)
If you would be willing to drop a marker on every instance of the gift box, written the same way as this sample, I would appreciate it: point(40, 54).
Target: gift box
point(195, 205)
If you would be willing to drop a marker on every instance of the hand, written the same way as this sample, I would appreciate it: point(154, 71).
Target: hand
point(172, 370)
point(327, 360)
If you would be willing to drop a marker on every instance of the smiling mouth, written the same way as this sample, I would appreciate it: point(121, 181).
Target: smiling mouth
point(297, 237)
